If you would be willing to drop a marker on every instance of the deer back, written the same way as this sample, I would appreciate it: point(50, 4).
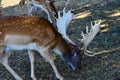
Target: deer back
point(39, 30)
point(26, 30)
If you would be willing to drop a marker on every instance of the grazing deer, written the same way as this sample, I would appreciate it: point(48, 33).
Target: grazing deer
point(36, 33)
point(46, 5)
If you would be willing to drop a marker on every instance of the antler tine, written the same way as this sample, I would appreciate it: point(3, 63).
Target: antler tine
point(92, 24)
point(63, 21)
point(64, 11)
point(83, 35)
point(87, 29)
point(68, 1)
point(89, 37)
point(59, 14)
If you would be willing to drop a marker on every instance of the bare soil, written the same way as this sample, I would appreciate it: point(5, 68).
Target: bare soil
point(105, 66)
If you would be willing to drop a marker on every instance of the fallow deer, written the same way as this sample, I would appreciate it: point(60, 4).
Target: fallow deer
point(46, 5)
point(36, 33)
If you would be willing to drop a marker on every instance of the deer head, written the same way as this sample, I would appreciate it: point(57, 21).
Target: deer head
point(62, 24)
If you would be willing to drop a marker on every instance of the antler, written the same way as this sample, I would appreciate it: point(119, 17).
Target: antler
point(89, 37)
point(63, 22)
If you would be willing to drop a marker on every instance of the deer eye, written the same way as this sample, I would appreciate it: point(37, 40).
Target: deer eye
point(74, 53)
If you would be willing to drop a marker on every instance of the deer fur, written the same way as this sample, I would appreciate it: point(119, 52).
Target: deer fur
point(35, 33)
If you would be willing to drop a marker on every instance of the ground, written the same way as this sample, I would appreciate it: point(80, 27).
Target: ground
point(105, 66)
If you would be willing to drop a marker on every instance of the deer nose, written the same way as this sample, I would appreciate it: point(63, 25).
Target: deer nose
point(77, 70)
point(79, 67)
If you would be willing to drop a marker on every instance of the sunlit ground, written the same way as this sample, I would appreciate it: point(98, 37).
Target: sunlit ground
point(7, 3)
point(115, 14)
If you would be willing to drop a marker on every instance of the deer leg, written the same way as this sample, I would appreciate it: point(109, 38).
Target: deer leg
point(45, 54)
point(4, 61)
point(31, 57)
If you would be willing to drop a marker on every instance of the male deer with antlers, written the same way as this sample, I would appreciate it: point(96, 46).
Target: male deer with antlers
point(36, 33)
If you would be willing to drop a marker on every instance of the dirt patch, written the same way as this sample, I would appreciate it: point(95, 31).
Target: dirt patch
point(102, 67)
